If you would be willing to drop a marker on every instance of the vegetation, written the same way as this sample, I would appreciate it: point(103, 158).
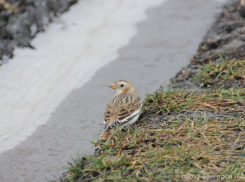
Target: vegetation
point(225, 74)
point(180, 135)
point(182, 100)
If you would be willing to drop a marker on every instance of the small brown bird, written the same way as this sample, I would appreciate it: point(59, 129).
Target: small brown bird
point(123, 109)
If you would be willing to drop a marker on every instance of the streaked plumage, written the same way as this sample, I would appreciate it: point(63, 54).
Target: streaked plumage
point(123, 109)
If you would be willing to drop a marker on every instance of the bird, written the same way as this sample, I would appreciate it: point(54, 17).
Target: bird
point(123, 109)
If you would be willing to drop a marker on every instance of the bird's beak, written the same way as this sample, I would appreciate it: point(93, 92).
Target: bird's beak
point(113, 86)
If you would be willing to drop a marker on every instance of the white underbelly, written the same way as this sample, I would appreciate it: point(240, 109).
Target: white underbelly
point(132, 121)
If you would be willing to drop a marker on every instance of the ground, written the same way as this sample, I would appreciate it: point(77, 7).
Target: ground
point(195, 130)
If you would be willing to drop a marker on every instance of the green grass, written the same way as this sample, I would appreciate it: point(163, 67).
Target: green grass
point(221, 73)
point(181, 100)
point(195, 146)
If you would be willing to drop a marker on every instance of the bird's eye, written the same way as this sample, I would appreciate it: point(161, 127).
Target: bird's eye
point(122, 85)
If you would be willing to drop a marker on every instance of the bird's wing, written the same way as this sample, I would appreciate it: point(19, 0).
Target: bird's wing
point(121, 109)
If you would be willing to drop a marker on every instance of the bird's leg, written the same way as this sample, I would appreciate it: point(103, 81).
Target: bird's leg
point(130, 126)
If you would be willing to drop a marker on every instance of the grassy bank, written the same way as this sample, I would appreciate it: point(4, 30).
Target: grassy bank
point(181, 134)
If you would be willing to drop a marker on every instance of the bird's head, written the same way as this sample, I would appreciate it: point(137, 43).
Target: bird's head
point(123, 86)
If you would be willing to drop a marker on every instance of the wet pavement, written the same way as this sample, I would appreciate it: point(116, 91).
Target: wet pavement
point(165, 41)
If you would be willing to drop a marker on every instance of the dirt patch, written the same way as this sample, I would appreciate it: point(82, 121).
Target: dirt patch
point(225, 41)
point(21, 20)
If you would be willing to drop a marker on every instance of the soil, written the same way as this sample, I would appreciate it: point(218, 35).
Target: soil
point(21, 20)
point(224, 41)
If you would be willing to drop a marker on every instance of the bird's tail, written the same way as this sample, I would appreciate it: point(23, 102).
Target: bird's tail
point(106, 135)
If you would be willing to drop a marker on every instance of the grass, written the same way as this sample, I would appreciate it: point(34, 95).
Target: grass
point(203, 147)
point(181, 135)
point(196, 144)
point(223, 73)
point(181, 100)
